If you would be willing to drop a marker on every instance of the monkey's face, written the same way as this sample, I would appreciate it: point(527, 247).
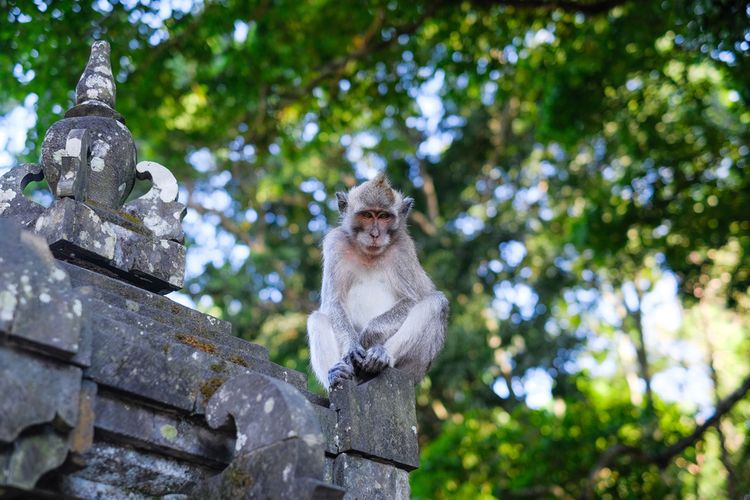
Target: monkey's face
point(373, 229)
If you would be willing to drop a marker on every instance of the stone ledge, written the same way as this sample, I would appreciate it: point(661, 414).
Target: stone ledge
point(77, 233)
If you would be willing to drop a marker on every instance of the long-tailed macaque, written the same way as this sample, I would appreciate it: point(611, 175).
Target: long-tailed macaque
point(378, 306)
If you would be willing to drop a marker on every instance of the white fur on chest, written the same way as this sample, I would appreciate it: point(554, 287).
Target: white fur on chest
point(370, 296)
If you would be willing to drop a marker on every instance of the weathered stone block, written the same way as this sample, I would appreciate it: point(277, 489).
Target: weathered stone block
point(169, 367)
point(378, 418)
point(37, 304)
point(79, 233)
point(367, 480)
point(113, 470)
point(14, 206)
point(270, 473)
point(327, 419)
point(35, 390)
point(178, 436)
point(82, 437)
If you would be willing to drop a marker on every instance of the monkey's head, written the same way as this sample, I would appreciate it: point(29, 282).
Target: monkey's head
point(373, 214)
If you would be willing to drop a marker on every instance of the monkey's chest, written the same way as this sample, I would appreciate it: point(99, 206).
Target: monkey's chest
point(369, 296)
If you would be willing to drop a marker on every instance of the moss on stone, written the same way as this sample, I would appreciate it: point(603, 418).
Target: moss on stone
point(237, 360)
point(196, 342)
point(210, 386)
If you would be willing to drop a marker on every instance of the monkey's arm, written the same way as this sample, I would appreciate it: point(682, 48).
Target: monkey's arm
point(382, 327)
point(346, 335)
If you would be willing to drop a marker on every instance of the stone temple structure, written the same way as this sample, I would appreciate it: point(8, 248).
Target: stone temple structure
point(111, 390)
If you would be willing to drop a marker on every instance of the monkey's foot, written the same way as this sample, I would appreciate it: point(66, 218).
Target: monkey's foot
point(376, 360)
point(339, 372)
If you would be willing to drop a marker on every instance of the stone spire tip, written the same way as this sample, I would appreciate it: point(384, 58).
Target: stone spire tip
point(97, 83)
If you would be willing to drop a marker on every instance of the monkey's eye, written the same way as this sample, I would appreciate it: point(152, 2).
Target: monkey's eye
point(385, 216)
point(366, 215)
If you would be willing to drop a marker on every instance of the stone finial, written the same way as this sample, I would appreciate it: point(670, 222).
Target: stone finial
point(102, 170)
point(96, 83)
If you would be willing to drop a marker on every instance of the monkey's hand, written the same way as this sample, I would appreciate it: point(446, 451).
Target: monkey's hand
point(356, 357)
point(339, 372)
point(376, 360)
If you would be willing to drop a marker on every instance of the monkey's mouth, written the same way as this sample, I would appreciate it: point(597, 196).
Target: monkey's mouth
point(374, 248)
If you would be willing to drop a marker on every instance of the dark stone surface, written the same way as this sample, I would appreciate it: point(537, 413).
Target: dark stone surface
point(145, 303)
point(367, 480)
point(327, 419)
point(178, 436)
point(82, 437)
point(13, 204)
point(378, 418)
point(269, 473)
point(37, 305)
point(328, 469)
point(120, 471)
point(35, 390)
point(266, 411)
point(172, 367)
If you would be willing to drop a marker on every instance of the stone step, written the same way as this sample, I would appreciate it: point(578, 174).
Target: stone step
point(128, 421)
point(153, 304)
point(226, 347)
point(157, 365)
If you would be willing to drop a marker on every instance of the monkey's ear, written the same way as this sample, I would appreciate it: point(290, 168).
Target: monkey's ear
point(343, 202)
point(406, 206)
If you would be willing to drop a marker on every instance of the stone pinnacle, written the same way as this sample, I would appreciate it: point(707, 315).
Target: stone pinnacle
point(96, 83)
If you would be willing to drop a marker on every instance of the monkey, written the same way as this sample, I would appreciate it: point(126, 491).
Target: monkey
point(378, 306)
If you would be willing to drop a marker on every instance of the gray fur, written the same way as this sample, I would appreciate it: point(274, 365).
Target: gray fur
point(382, 327)
point(408, 333)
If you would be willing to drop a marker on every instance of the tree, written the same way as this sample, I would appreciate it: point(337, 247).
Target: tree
point(568, 158)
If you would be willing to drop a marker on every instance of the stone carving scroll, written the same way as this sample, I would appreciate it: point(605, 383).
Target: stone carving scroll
point(279, 452)
point(158, 208)
point(13, 204)
point(40, 323)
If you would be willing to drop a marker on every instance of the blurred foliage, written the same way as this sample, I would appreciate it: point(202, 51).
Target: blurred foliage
point(568, 159)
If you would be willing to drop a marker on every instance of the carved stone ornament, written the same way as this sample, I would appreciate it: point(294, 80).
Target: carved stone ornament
point(279, 452)
point(89, 162)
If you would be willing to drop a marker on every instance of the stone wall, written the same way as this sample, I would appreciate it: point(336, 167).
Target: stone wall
point(112, 390)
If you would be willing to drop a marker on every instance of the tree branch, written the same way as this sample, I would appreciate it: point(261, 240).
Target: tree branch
point(665, 456)
point(363, 47)
point(423, 222)
point(591, 8)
